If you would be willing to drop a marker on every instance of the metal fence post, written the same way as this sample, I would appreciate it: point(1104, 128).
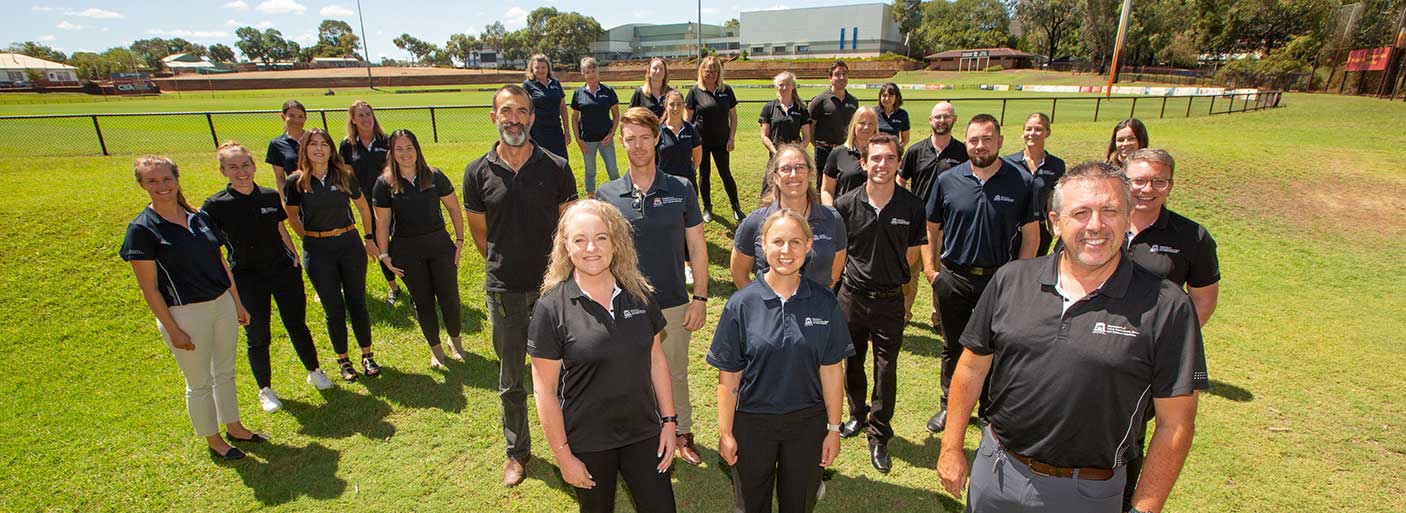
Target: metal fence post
point(101, 143)
point(1098, 103)
point(1132, 113)
point(1189, 100)
point(211, 121)
point(434, 126)
point(1212, 110)
point(1163, 114)
point(324, 121)
point(1054, 104)
point(1003, 111)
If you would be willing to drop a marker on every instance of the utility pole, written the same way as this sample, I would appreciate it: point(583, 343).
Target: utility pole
point(1118, 46)
point(699, 33)
point(1393, 55)
point(365, 45)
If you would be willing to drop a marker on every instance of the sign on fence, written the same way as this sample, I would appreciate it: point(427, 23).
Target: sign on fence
point(1368, 59)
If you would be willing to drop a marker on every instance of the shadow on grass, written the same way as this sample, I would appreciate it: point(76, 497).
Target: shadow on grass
point(421, 390)
point(1231, 392)
point(922, 342)
point(859, 493)
point(345, 414)
point(921, 456)
point(282, 473)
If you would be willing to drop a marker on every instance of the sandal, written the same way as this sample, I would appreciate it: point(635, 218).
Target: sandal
point(348, 372)
point(368, 364)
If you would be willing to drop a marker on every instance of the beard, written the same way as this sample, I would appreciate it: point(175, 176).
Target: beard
point(941, 129)
point(983, 161)
point(511, 139)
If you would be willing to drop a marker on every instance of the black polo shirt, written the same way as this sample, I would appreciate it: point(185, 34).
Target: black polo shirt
point(521, 210)
point(1068, 387)
point(283, 152)
point(831, 116)
point(877, 257)
point(980, 220)
point(710, 110)
point(667, 209)
point(326, 206)
point(546, 102)
point(779, 346)
point(784, 124)
point(414, 211)
point(673, 153)
point(922, 164)
point(825, 224)
point(607, 397)
point(843, 165)
point(655, 104)
point(250, 223)
point(188, 268)
point(595, 111)
point(1178, 249)
point(1044, 176)
point(895, 123)
point(367, 162)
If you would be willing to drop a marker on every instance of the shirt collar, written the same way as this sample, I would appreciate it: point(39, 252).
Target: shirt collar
point(493, 157)
point(661, 184)
point(769, 295)
point(1116, 286)
point(573, 290)
point(1163, 219)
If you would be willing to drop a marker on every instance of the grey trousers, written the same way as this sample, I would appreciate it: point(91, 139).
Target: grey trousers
point(510, 313)
point(1000, 483)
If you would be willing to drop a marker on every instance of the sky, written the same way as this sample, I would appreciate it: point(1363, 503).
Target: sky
point(79, 25)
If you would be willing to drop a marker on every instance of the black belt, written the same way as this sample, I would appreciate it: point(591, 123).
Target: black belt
point(974, 271)
point(874, 294)
point(824, 145)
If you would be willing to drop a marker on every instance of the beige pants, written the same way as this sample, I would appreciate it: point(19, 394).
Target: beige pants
point(675, 340)
point(209, 368)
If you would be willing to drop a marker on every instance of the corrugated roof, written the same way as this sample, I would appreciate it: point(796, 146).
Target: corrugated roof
point(16, 60)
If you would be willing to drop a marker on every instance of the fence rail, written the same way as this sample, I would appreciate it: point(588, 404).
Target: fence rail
point(167, 132)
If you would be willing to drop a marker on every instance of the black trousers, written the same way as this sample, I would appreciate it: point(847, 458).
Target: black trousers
point(821, 155)
point(650, 491)
point(385, 271)
point(880, 321)
point(956, 295)
point(781, 451)
point(432, 277)
point(257, 291)
point(720, 156)
point(336, 267)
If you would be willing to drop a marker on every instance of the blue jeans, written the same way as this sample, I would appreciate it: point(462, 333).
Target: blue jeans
point(607, 153)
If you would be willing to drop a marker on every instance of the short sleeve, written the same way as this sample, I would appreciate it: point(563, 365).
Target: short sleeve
point(353, 188)
point(745, 240)
point(731, 97)
point(272, 156)
point(900, 120)
point(576, 100)
point(692, 214)
point(832, 164)
point(917, 230)
point(934, 207)
point(139, 244)
point(543, 339)
point(690, 101)
point(205, 207)
point(291, 195)
point(566, 188)
point(839, 346)
point(841, 234)
point(909, 165)
point(697, 141)
point(637, 99)
point(978, 337)
point(1205, 264)
point(762, 117)
point(473, 193)
point(614, 98)
point(656, 316)
point(345, 150)
point(1032, 200)
point(1179, 365)
point(220, 236)
point(381, 194)
point(815, 107)
point(442, 186)
point(805, 117)
point(726, 352)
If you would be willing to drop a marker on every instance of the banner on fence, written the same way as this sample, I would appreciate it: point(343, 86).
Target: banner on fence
point(1368, 59)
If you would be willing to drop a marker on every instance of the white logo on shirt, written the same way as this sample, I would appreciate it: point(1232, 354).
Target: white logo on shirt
point(667, 200)
point(813, 321)
point(1101, 328)
point(268, 210)
point(631, 313)
point(999, 197)
point(822, 236)
point(1164, 249)
point(899, 222)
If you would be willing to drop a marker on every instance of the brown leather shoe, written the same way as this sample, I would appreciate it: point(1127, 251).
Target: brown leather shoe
point(687, 451)
point(514, 470)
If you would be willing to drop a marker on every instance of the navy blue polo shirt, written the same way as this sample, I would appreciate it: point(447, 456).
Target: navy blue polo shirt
point(895, 123)
point(415, 210)
point(831, 116)
point(877, 256)
point(922, 164)
point(188, 268)
point(327, 205)
point(1067, 387)
point(367, 162)
point(1044, 176)
point(664, 211)
point(595, 111)
point(521, 210)
point(673, 153)
point(825, 223)
point(710, 110)
point(779, 346)
point(546, 102)
point(283, 152)
point(783, 124)
point(607, 396)
point(1178, 249)
point(655, 104)
point(980, 220)
point(250, 223)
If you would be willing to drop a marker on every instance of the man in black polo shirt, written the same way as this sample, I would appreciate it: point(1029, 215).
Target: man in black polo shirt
point(512, 198)
point(1073, 346)
point(974, 212)
point(922, 163)
point(831, 111)
point(663, 210)
point(885, 224)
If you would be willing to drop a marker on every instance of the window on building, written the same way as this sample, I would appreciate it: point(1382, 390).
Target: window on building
point(778, 49)
point(802, 48)
point(758, 50)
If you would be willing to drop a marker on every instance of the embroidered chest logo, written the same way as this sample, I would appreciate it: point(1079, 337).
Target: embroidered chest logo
point(899, 222)
point(631, 313)
point(1164, 249)
point(1102, 328)
point(815, 321)
point(999, 197)
point(268, 210)
point(823, 236)
point(667, 200)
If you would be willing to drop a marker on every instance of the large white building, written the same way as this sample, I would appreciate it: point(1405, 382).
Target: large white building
point(639, 41)
point(15, 68)
point(864, 30)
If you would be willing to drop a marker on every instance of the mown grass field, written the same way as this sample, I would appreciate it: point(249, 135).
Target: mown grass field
point(1305, 350)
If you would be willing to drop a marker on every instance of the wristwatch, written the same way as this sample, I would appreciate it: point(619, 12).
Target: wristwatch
point(672, 418)
point(697, 297)
point(832, 427)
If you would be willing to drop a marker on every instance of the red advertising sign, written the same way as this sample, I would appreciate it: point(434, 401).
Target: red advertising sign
point(1368, 59)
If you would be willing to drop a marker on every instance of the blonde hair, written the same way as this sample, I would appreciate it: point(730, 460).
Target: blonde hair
point(710, 62)
point(624, 261)
point(640, 116)
point(851, 137)
point(146, 161)
point(335, 167)
point(230, 147)
point(772, 194)
point(663, 83)
point(787, 76)
point(533, 60)
point(786, 213)
point(376, 131)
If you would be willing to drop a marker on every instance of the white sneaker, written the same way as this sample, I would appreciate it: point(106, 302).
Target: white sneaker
point(319, 380)
point(269, 400)
point(687, 275)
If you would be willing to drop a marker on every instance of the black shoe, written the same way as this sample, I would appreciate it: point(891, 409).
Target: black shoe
point(850, 428)
point(938, 422)
point(707, 215)
point(254, 438)
point(232, 454)
point(368, 364)
point(879, 457)
point(737, 214)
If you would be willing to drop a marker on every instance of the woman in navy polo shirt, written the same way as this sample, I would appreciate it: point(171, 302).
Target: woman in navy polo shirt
point(789, 175)
point(548, 106)
point(1045, 168)
point(595, 110)
point(779, 350)
point(712, 108)
point(364, 149)
point(680, 147)
point(650, 95)
point(408, 222)
point(175, 254)
point(893, 120)
point(842, 171)
point(319, 199)
point(603, 387)
point(283, 150)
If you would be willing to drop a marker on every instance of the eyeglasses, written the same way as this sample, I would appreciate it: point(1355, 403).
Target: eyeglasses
point(637, 201)
point(1159, 184)
point(792, 169)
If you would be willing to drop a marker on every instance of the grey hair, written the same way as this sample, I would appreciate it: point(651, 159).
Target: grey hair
point(588, 62)
point(1092, 171)
point(1154, 156)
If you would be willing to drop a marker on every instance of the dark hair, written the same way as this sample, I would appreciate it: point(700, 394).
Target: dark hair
point(837, 65)
point(335, 167)
point(293, 104)
point(157, 160)
point(515, 90)
point(891, 88)
point(1087, 172)
point(424, 175)
point(1139, 131)
point(879, 138)
point(985, 118)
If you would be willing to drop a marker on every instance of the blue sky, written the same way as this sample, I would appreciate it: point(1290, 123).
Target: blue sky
point(78, 25)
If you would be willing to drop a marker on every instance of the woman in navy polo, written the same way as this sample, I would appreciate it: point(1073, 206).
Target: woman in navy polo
point(595, 110)
point(603, 388)
point(175, 254)
point(789, 175)
point(893, 120)
point(779, 350)
point(283, 150)
point(1129, 135)
point(842, 170)
point(319, 199)
point(364, 149)
point(712, 108)
point(680, 148)
point(650, 95)
point(408, 222)
point(548, 106)
point(1045, 168)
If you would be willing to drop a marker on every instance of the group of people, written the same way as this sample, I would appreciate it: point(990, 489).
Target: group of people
point(1069, 300)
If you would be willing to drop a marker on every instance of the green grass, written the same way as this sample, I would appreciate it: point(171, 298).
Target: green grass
point(1304, 351)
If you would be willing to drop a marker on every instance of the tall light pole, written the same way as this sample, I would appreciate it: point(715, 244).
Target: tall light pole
point(365, 45)
point(1118, 46)
point(699, 33)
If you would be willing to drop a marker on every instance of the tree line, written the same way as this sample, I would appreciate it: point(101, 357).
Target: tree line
point(562, 36)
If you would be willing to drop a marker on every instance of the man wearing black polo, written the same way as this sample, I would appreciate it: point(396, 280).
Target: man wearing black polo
point(512, 198)
point(975, 211)
point(663, 210)
point(1073, 346)
point(830, 111)
point(922, 163)
point(886, 230)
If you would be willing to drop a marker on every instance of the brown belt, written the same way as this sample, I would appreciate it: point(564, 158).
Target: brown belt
point(1090, 473)
point(330, 233)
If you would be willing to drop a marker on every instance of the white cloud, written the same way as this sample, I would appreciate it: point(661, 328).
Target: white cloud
point(281, 7)
point(186, 33)
point(305, 39)
point(515, 17)
point(94, 12)
point(47, 38)
point(237, 5)
point(265, 24)
point(65, 25)
point(42, 8)
point(233, 24)
point(336, 10)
